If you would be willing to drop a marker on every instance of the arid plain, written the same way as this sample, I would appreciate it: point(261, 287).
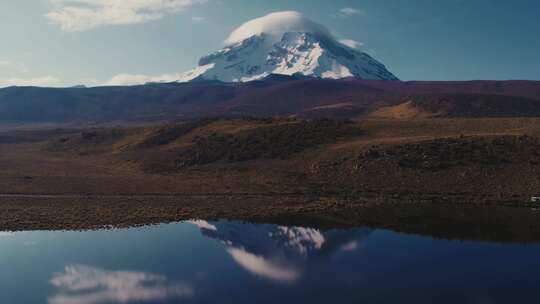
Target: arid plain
point(415, 175)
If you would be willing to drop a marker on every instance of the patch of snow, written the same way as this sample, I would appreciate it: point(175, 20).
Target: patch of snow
point(196, 72)
point(203, 225)
point(337, 71)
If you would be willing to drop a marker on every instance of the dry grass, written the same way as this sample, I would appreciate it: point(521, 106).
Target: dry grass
point(406, 110)
point(332, 169)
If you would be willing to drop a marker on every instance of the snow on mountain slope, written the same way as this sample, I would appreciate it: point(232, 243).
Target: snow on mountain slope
point(285, 43)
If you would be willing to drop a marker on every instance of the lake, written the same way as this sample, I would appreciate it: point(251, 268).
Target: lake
point(235, 262)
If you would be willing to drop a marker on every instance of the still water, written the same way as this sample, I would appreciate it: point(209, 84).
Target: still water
point(233, 262)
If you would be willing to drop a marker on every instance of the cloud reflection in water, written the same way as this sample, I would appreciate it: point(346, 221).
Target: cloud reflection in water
point(80, 284)
point(260, 266)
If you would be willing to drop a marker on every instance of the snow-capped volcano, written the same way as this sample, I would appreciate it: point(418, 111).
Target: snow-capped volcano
point(285, 43)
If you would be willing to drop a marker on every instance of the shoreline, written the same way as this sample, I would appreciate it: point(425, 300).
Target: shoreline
point(440, 220)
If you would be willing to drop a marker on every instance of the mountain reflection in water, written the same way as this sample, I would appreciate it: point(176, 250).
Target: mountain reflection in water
point(277, 252)
point(234, 262)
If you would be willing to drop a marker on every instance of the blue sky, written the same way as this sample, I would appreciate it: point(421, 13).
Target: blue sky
point(55, 42)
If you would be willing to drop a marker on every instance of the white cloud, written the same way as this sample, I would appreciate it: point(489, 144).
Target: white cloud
point(37, 81)
point(90, 82)
point(276, 24)
point(80, 284)
point(349, 11)
point(351, 43)
point(136, 79)
point(198, 19)
point(13, 66)
point(81, 15)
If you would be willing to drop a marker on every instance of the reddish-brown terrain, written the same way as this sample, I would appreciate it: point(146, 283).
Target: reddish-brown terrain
point(455, 159)
point(400, 173)
point(282, 96)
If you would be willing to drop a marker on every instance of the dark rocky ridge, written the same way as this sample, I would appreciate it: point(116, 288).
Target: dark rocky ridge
point(273, 96)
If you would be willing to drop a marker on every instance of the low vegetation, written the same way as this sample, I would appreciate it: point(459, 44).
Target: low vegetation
point(89, 141)
point(277, 141)
point(446, 153)
point(168, 134)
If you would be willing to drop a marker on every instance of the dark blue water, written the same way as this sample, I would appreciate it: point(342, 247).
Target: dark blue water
point(231, 262)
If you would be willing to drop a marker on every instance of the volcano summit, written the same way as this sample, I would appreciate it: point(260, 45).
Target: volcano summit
point(285, 43)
